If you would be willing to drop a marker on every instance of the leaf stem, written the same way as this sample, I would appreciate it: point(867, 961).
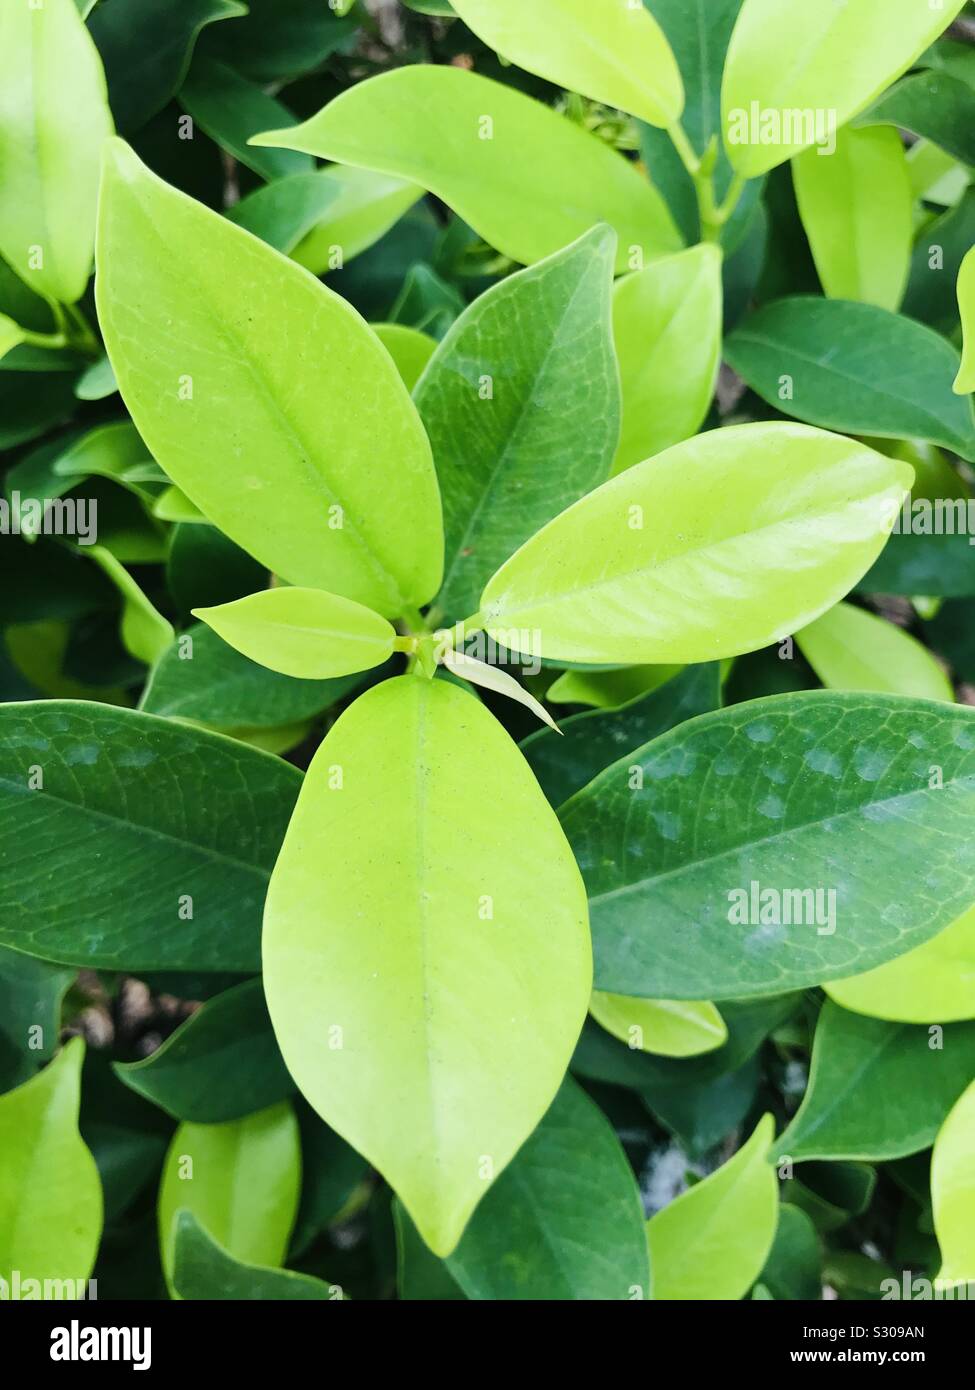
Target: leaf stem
point(713, 215)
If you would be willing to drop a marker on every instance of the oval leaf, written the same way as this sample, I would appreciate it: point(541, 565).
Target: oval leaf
point(953, 1192)
point(667, 1027)
point(850, 649)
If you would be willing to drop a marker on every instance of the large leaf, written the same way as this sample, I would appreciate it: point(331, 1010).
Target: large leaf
point(50, 1193)
point(527, 180)
point(877, 1090)
point(837, 798)
point(857, 211)
point(953, 1191)
point(854, 368)
point(640, 571)
point(521, 404)
point(202, 1269)
point(850, 649)
point(155, 859)
point(712, 1241)
point(564, 1220)
point(666, 314)
point(608, 50)
point(790, 61)
point(385, 1032)
point(53, 118)
point(335, 486)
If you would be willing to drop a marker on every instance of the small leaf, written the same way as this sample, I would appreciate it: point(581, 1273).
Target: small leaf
point(367, 205)
point(145, 632)
point(10, 334)
point(965, 380)
point(712, 1241)
point(467, 668)
point(953, 1192)
point(850, 649)
point(202, 1269)
point(410, 349)
point(667, 1027)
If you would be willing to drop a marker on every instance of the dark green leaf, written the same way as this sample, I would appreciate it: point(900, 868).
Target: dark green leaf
point(934, 105)
point(203, 1269)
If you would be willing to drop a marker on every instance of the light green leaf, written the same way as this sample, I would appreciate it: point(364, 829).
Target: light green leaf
point(521, 405)
point(410, 349)
point(934, 983)
point(877, 1090)
point(283, 212)
point(965, 380)
point(526, 179)
point(850, 649)
point(335, 484)
point(809, 872)
point(202, 1269)
point(668, 313)
point(468, 668)
point(174, 505)
point(53, 118)
point(712, 1242)
point(365, 207)
point(50, 1192)
point(609, 50)
point(145, 632)
point(608, 688)
point(476, 896)
point(303, 632)
point(857, 209)
point(953, 1192)
point(795, 72)
point(640, 571)
point(667, 1027)
point(11, 334)
point(241, 1180)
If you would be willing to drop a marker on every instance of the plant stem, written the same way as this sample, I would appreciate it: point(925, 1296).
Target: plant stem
point(52, 341)
point(701, 168)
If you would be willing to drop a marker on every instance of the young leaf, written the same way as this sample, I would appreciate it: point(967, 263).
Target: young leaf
point(410, 349)
point(790, 62)
point(53, 120)
point(810, 873)
point(468, 668)
point(385, 1033)
point(850, 649)
point(712, 1241)
point(857, 210)
point(953, 1192)
point(877, 1090)
point(202, 1269)
point(642, 571)
point(934, 983)
point(564, 1220)
point(854, 368)
point(11, 334)
point(667, 1027)
point(304, 633)
point(668, 313)
point(144, 631)
point(50, 1192)
point(608, 50)
point(521, 404)
point(965, 380)
point(526, 179)
point(157, 862)
point(336, 487)
point(240, 1180)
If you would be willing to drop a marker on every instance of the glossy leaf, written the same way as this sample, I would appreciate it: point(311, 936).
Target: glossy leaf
point(965, 380)
point(668, 313)
point(337, 488)
point(53, 119)
point(144, 631)
point(385, 1035)
point(850, 649)
point(857, 210)
point(608, 50)
point(521, 405)
point(667, 1027)
point(410, 349)
point(639, 571)
point(953, 1191)
point(788, 57)
point(230, 110)
point(839, 798)
point(609, 687)
point(136, 813)
point(202, 1269)
point(527, 180)
point(713, 1240)
point(283, 212)
point(933, 105)
point(366, 206)
point(50, 1193)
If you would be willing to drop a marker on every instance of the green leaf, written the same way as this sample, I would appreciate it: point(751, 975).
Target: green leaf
point(282, 213)
point(50, 1193)
point(791, 63)
point(145, 822)
point(933, 105)
point(639, 571)
point(202, 1269)
point(521, 405)
point(936, 263)
point(793, 1270)
point(712, 1241)
point(336, 487)
point(854, 368)
point(304, 633)
point(367, 205)
point(220, 1064)
point(31, 994)
point(857, 209)
point(52, 126)
point(410, 349)
point(564, 1220)
point(667, 1027)
point(840, 796)
point(10, 334)
point(669, 313)
point(282, 38)
point(144, 631)
point(953, 1192)
point(481, 673)
point(230, 110)
point(965, 381)
point(420, 1275)
point(526, 179)
point(385, 1034)
point(609, 687)
point(877, 1090)
point(934, 983)
point(240, 1180)
point(850, 649)
point(612, 52)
